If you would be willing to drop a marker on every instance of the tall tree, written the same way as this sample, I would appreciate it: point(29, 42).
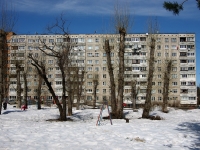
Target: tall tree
point(166, 85)
point(111, 75)
point(95, 84)
point(61, 52)
point(122, 22)
point(7, 23)
point(79, 88)
point(176, 7)
point(153, 28)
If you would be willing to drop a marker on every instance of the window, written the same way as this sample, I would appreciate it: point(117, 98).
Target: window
point(174, 76)
point(174, 91)
point(159, 83)
point(89, 90)
point(96, 61)
point(104, 91)
point(49, 76)
point(174, 83)
point(50, 61)
point(89, 68)
point(166, 54)
point(192, 98)
point(96, 54)
point(159, 98)
point(174, 47)
point(174, 54)
point(89, 98)
point(166, 46)
point(50, 69)
point(174, 69)
point(97, 40)
point(96, 68)
point(59, 40)
point(58, 82)
point(89, 62)
point(159, 91)
point(166, 40)
point(183, 75)
point(158, 47)
point(191, 61)
point(184, 68)
point(51, 40)
point(90, 40)
point(158, 54)
point(104, 68)
point(89, 76)
point(159, 68)
point(191, 75)
point(104, 55)
point(96, 47)
point(182, 46)
point(81, 40)
point(104, 83)
point(173, 40)
point(104, 61)
point(57, 68)
point(191, 68)
point(183, 83)
point(89, 54)
point(89, 47)
point(104, 75)
point(159, 76)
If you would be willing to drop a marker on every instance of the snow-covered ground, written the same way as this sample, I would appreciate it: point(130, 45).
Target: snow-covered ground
point(180, 130)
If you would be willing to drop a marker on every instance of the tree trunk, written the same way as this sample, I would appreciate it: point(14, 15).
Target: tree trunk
point(147, 105)
point(25, 90)
point(95, 82)
point(111, 75)
point(166, 86)
point(18, 85)
point(79, 90)
point(39, 88)
point(119, 113)
point(133, 93)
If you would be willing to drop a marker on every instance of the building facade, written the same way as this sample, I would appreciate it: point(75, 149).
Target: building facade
point(89, 55)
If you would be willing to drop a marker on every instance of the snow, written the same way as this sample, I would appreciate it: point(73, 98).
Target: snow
point(179, 130)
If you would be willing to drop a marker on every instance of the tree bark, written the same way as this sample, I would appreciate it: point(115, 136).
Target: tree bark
point(39, 88)
point(119, 112)
point(95, 84)
point(18, 85)
point(79, 90)
point(166, 86)
point(133, 93)
point(147, 105)
point(25, 90)
point(111, 75)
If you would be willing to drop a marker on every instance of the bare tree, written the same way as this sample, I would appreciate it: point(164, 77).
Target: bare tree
point(7, 23)
point(25, 89)
point(39, 88)
point(79, 89)
point(152, 44)
point(18, 69)
point(134, 93)
point(166, 85)
point(61, 51)
point(95, 84)
point(122, 22)
point(111, 75)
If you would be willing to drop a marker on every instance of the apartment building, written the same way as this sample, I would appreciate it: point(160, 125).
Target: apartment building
point(89, 55)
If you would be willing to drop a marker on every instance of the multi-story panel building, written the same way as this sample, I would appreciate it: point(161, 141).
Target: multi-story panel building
point(89, 55)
